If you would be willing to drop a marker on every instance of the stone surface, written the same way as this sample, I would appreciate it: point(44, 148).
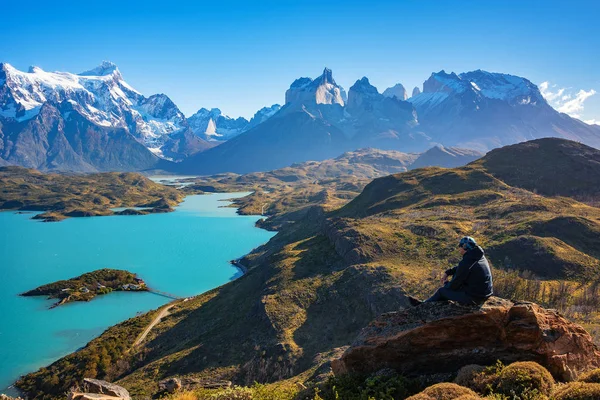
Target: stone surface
point(443, 337)
point(102, 387)
point(170, 385)
point(90, 396)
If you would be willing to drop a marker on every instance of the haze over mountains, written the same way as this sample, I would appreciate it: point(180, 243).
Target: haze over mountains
point(95, 121)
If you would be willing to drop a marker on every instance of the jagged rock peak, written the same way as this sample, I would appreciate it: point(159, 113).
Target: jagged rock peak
point(363, 85)
point(326, 77)
point(416, 91)
point(443, 82)
point(33, 69)
point(105, 68)
point(322, 90)
point(398, 91)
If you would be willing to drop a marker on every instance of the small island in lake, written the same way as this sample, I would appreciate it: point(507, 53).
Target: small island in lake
point(89, 285)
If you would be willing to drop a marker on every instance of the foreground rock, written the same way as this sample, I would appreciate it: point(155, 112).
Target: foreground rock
point(97, 386)
point(444, 337)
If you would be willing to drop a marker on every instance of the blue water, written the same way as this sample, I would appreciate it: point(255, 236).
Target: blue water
point(185, 252)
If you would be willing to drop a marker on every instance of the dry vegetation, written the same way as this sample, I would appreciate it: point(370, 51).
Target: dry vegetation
point(332, 269)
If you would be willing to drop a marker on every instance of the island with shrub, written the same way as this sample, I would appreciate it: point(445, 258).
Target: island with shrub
point(89, 285)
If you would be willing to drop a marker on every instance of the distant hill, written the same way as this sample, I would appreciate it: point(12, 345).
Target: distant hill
point(448, 157)
point(548, 166)
point(336, 264)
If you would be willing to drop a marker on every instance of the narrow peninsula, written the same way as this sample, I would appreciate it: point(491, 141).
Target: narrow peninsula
point(89, 285)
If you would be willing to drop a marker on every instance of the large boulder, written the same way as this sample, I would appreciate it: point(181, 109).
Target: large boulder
point(90, 396)
point(106, 388)
point(443, 337)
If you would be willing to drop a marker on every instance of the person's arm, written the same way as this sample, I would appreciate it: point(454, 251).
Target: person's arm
point(460, 274)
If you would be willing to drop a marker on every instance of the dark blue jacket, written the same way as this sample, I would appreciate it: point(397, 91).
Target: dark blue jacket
point(472, 275)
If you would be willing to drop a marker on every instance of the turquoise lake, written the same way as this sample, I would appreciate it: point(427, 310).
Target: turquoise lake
point(185, 252)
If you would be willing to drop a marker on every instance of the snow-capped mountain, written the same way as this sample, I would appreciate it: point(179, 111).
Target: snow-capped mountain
point(262, 115)
point(374, 119)
point(213, 125)
point(99, 99)
point(317, 122)
point(484, 110)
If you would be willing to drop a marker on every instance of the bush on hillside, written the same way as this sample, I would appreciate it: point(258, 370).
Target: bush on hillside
point(255, 392)
point(380, 387)
point(592, 376)
point(577, 391)
point(444, 391)
point(468, 375)
point(523, 379)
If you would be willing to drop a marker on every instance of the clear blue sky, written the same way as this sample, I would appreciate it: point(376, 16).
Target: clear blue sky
point(242, 55)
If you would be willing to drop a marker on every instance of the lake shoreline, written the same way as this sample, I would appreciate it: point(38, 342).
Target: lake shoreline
point(211, 208)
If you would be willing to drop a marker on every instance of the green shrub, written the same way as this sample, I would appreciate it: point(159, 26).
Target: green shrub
point(524, 379)
point(592, 376)
point(444, 391)
point(255, 392)
point(577, 391)
point(380, 387)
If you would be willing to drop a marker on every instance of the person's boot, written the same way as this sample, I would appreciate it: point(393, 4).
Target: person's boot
point(414, 301)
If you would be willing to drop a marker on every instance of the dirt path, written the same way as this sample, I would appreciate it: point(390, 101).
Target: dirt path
point(163, 313)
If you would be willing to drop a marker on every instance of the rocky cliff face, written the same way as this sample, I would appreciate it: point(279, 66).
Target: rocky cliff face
point(397, 91)
point(442, 337)
point(213, 125)
point(322, 90)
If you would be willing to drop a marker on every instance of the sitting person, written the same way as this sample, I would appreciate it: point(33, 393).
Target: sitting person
point(471, 282)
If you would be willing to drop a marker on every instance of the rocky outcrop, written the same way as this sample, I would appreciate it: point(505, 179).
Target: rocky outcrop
point(90, 396)
point(170, 385)
point(397, 91)
point(106, 388)
point(443, 337)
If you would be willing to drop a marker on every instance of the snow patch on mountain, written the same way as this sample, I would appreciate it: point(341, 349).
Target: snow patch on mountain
point(100, 95)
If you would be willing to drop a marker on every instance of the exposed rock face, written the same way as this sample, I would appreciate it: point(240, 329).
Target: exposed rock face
point(444, 337)
point(397, 91)
point(322, 90)
point(170, 385)
point(90, 396)
point(102, 387)
point(416, 91)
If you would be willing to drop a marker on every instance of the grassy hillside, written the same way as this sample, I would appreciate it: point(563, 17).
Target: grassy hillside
point(331, 270)
point(62, 196)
